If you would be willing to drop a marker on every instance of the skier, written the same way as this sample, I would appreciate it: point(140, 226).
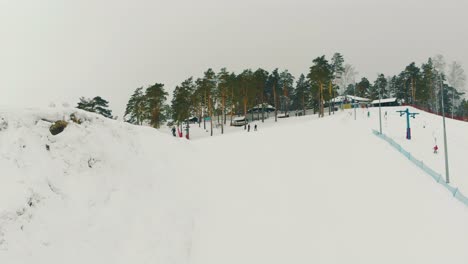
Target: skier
point(173, 131)
point(248, 128)
point(436, 149)
point(368, 113)
point(255, 127)
point(385, 114)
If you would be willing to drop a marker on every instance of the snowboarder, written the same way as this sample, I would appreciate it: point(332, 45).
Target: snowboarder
point(436, 149)
point(248, 128)
point(255, 127)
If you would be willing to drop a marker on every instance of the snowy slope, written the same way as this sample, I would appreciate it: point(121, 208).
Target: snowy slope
point(106, 192)
point(303, 190)
point(427, 130)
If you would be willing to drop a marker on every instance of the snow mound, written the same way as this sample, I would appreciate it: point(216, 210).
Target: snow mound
point(99, 192)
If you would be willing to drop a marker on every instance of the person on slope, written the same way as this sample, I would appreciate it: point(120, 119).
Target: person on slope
point(436, 149)
point(255, 127)
point(248, 128)
point(173, 131)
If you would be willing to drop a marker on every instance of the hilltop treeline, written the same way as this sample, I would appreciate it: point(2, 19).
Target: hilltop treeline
point(225, 94)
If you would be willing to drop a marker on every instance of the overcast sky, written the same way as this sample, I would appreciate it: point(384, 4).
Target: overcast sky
point(59, 50)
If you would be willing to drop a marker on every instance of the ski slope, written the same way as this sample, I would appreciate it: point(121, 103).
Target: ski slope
point(303, 190)
point(427, 130)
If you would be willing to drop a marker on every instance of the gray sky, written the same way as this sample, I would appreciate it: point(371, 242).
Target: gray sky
point(59, 50)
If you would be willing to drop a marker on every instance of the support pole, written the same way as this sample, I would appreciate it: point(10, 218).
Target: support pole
point(447, 174)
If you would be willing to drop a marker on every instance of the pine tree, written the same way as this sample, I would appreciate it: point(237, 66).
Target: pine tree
point(456, 78)
point(337, 67)
point(320, 76)
point(166, 113)
point(272, 90)
point(206, 89)
point(362, 88)
point(379, 88)
point(462, 109)
point(222, 93)
point(156, 96)
point(301, 94)
point(286, 83)
point(198, 102)
point(413, 80)
point(101, 106)
point(137, 110)
point(96, 105)
point(260, 78)
point(392, 86)
point(86, 104)
point(427, 92)
point(182, 100)
point(350, 89)
point(246, 89)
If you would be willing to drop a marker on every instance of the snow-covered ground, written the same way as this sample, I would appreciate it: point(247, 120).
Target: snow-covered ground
point(303, 190)
point(104, 192)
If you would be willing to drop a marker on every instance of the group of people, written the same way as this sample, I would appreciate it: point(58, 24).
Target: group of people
point(177, 131)
point(247, 127)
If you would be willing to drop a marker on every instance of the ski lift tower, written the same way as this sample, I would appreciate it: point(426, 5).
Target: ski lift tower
point(408, 115)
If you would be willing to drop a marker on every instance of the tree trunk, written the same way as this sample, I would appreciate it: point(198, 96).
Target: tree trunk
point(276, 105)
point(223, 113)
point(204, 121)
point(245, 102)
point(210, 113)
point(303, 105)
point(263, 109)
point(453, 101)
point(286, 100)
point(258, 113)
point(320, 100)
point(204, 114)
point(224, 108)
point(199, 117)
point(232, 107)
point(252, 116)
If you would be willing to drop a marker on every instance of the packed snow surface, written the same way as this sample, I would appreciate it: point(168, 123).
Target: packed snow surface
point(302, 190)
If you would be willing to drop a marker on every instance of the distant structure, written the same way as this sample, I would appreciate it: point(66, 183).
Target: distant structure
point(386, 102)
point(259, 108)
point(346, 101)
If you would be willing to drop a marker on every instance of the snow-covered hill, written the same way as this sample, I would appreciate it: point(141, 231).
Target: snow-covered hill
point(99, 192)
point(303, 190)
